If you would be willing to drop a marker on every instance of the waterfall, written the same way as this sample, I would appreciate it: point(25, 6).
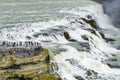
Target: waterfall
point(78, 44)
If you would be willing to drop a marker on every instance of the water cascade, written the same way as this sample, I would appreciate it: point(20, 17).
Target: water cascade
point(78, 44)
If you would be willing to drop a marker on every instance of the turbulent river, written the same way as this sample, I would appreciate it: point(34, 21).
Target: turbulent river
point(78, 34)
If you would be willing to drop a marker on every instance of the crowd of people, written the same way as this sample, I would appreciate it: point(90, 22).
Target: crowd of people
point(14, 48)
point(19, 43)
point(21, 52)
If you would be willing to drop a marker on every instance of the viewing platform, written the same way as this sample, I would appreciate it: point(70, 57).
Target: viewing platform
point(20, 49)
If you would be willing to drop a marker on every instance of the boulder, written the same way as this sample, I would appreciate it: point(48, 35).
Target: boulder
point(67, 37)
point(84, 37)
point(91, 22)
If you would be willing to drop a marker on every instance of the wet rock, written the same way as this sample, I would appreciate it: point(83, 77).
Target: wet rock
point(109, 39)
point(92, 31)
point(84, 37)
point(91, 72)
point(106, 39)
point(45, 34)
point(79, 78)
point(72, 40)
point(91, 75)
point(91, 22)
point(113, 66)
point(28, 37)
point(102, 35)
point(66, 35)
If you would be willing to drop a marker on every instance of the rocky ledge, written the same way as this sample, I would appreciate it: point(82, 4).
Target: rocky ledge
point(30, 68)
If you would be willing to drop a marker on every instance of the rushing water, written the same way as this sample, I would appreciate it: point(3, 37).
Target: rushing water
point(71, 30)
point(26, 11)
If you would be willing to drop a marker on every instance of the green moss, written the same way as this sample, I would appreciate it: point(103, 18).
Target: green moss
point(13, 74)
point(32, 68)
point(36, 78)
point(49, 77)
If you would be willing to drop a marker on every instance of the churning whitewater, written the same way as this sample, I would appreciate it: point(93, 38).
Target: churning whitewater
point(78, 44)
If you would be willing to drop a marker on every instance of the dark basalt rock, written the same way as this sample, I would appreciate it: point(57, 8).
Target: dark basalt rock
point(113, 66)
point(84, 37)
point(28, 37)
point(79, 78)
point(91, 72)
point(91, 75)
point(102, 35)
point(72, 40)
point(107, 39)
point(92, 31)
point(91, 22)
point(45, 34)
point(66, 35)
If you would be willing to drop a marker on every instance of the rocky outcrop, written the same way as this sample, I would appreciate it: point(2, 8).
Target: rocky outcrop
point(67, 37)
point(91, 22)
point(30, 68)
point(106, 39)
